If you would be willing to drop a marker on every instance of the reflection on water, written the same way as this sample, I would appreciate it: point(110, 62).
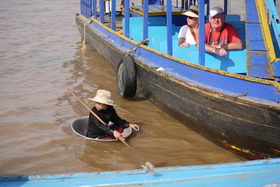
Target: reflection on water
point(41, 58)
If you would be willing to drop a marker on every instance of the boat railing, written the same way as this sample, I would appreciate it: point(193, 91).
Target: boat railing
point(274, 23)
point(261, 56)
point(89, 9)
point(250, 65)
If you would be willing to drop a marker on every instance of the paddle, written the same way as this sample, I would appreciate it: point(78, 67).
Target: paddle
point(122, 139)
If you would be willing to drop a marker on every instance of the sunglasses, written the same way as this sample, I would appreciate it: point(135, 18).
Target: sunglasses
point(189, 17)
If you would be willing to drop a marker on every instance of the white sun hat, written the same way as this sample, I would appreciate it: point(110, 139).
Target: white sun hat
point(192, 12)
point(216, 10)
point(104, 97)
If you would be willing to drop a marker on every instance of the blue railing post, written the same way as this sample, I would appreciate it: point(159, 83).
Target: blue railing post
point(113, 15)
point(101, 11)
point(145, 20)
point(201, 33)
point(94, 8)
point(126, 17)
point(169, 26)
point(101, 5)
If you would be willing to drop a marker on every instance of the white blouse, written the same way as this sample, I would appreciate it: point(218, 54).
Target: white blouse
point(186, 33)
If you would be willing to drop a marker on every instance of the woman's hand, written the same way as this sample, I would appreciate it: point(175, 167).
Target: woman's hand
point(185, 44)
point(134, 126)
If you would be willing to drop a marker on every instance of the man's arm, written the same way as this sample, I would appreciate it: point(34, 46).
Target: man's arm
point(233, 45)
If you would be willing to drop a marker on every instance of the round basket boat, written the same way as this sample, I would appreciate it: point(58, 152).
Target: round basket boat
point(79, 126)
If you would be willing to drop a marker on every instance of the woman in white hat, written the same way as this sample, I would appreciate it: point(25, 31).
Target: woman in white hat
point(188, 33)
point(104, 109)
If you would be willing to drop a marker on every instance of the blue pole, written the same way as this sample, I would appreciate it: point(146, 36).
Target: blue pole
point(126, 16)
point(94, 8)
point(201, 33)
point(169, 26)
point(145, 20)
point(101, 11)
point(113, 15)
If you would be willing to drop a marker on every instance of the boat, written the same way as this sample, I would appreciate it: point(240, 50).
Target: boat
point(79, 126)
point(263, 172)
point(233, 101)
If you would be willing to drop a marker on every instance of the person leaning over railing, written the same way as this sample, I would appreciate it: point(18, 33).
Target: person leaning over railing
point(188, 34)
point(220, 36)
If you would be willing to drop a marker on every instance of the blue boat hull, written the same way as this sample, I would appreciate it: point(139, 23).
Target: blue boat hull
point(197, 96)
point(247, 173)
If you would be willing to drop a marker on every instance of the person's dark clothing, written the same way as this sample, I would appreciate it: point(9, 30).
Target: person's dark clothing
point(97, 129)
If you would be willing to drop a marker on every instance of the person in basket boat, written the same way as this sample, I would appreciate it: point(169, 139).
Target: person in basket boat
point(104, 109)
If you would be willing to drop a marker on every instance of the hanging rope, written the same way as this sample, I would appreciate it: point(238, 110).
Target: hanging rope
point(84, 40)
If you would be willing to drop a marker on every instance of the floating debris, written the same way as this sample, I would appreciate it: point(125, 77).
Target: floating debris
point(148, 166)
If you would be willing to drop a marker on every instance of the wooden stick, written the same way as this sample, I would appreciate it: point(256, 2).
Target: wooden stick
point(123, 141)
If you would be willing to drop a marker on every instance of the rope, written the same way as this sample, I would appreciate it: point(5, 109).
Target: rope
point(143, 42)
point(84, 40)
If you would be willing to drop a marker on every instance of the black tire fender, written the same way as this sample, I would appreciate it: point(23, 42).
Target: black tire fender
point(126, 77)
